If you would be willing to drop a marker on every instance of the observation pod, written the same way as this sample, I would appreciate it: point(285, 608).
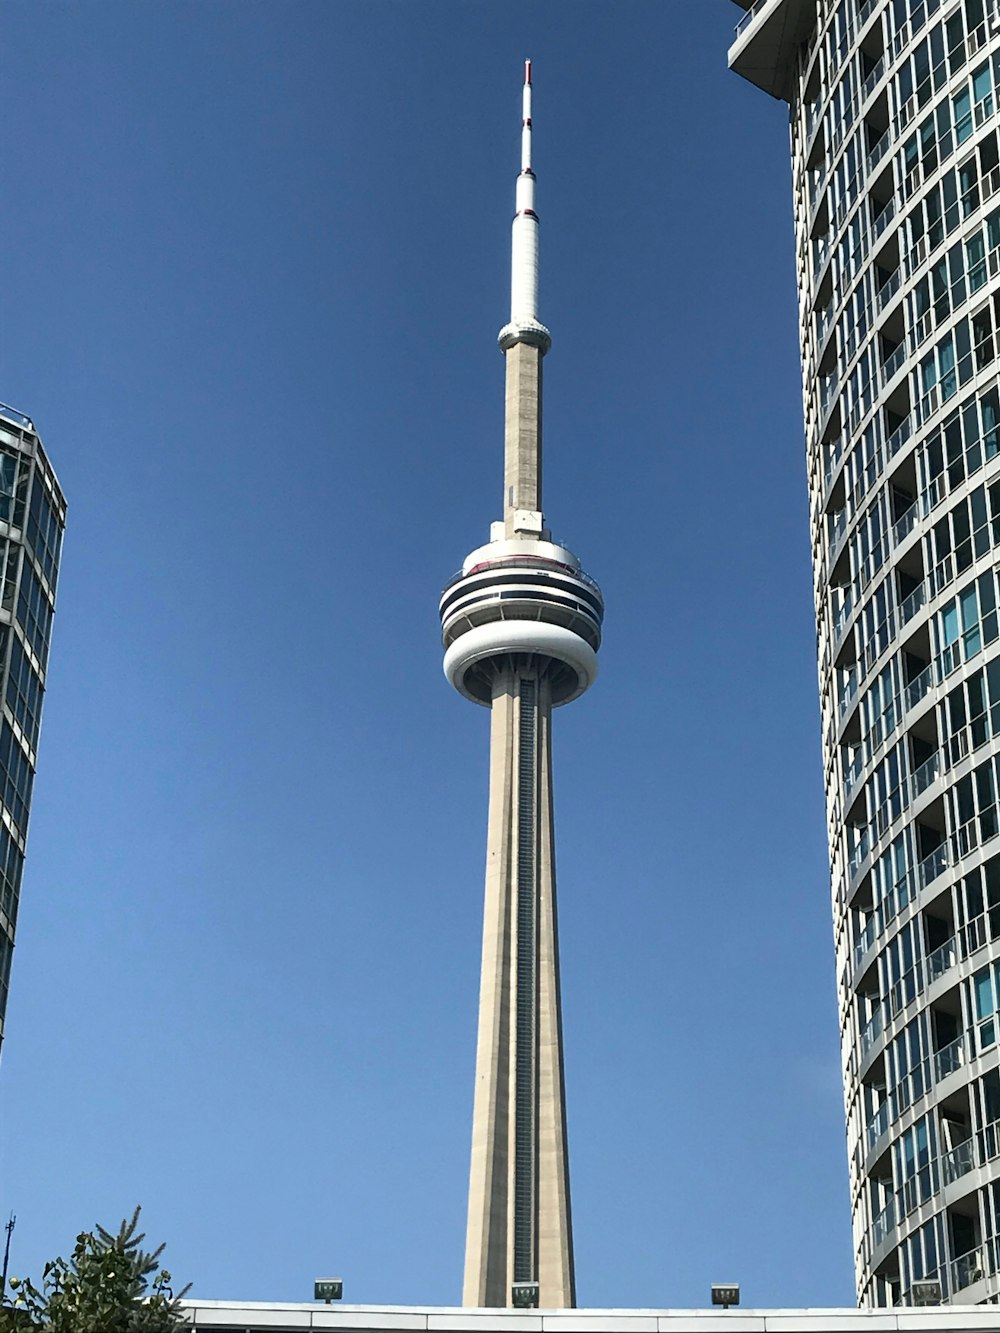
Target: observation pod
point(521, 599)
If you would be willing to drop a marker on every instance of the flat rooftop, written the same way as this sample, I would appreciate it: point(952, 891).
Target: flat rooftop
point(277, 1316)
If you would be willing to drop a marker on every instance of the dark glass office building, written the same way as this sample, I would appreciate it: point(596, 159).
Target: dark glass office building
point(32, 518)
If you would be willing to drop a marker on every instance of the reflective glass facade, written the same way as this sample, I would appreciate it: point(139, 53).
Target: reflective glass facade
point(32, 518)
point(896, 171)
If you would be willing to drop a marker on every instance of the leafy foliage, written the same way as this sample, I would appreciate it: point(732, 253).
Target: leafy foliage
point(110, 1285)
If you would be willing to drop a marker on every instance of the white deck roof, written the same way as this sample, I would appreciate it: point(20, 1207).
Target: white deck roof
point(277, 1316)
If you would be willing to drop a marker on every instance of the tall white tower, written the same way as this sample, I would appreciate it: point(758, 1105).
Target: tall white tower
point(521, 627)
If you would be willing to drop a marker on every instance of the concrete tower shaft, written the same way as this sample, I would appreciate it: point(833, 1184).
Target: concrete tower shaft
point(522, 455)
point(521, 625)
point(519, 1227)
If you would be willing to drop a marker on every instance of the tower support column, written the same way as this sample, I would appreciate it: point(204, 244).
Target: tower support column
point(519, 1227)
point(523, 439)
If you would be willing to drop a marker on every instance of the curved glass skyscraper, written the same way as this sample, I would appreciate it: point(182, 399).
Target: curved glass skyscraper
point(32, 518)
point(896, 167)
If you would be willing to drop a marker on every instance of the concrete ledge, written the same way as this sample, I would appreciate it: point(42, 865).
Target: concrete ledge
point(764, 50)
point(277, 1315)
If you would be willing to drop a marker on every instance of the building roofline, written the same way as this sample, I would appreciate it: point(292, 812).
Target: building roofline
point(767, 40)
point(282, 1315)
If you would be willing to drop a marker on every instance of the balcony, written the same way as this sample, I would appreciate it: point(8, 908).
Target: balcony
point(872, 1031)
point(885, 1224)
point(926, 1181)
point(966, 1271)
point(767, 38)
point(865, 941)
point(916, 1083)
point(18, 418)
point(902, 892)
point(914, 982)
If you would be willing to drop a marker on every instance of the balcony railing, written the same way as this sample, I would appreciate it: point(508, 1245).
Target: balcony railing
point(749, 16)
point(954, 215)
point(949, 1059)
point(976, 1264)
point(910, 605)
point(843, 616)
point(893, 807)
point(885, 1224)
point(865, 941)
point(933, 1175)
point(872, 651)
point(886, 724)
point(894, 362)
point(877, 1125)
point(915, 1084)
point(853, 772)
point(958, 1162)
point(18, 418)
point(845, 120)
point(923, 776)
point(879, 151)
point(944, 573)
point(837, 529)
point(902, 528)
point(918, 686)
point(906, 886)
point(847, 693)
point(984, 110)
point(958, 947)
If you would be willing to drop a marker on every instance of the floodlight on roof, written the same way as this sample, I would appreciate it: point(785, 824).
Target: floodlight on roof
point(725, 1294)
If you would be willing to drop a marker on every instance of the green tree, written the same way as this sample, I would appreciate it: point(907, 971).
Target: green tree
point(110, 1285)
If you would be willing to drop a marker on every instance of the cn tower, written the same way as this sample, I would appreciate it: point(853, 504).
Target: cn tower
point(521, 626)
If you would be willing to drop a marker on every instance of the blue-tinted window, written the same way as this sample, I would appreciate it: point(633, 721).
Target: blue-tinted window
point(6, 953)
point(985, 992)
point(11, 864)
point(972, 614)
point(16, 778)
point(963, 115)
point(10, 559)
point(14, 473)
point(34, 613)
point(43, 531)
point(24, 692)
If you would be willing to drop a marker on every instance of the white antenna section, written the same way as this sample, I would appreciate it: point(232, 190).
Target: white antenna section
point(524, 232)
point(524, 325)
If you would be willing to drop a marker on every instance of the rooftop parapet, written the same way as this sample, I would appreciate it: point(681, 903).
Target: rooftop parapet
point(18, 418)
point(767, 39)
point(275, 1317)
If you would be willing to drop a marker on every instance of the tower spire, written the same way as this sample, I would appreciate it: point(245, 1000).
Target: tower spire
point(524, 341)
point(526, 119)
point(524, 324)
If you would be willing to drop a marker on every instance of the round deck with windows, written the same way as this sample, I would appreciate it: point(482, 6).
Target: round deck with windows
point(515, 598)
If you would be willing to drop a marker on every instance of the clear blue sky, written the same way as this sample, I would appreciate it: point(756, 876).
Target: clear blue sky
point(254, 260)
